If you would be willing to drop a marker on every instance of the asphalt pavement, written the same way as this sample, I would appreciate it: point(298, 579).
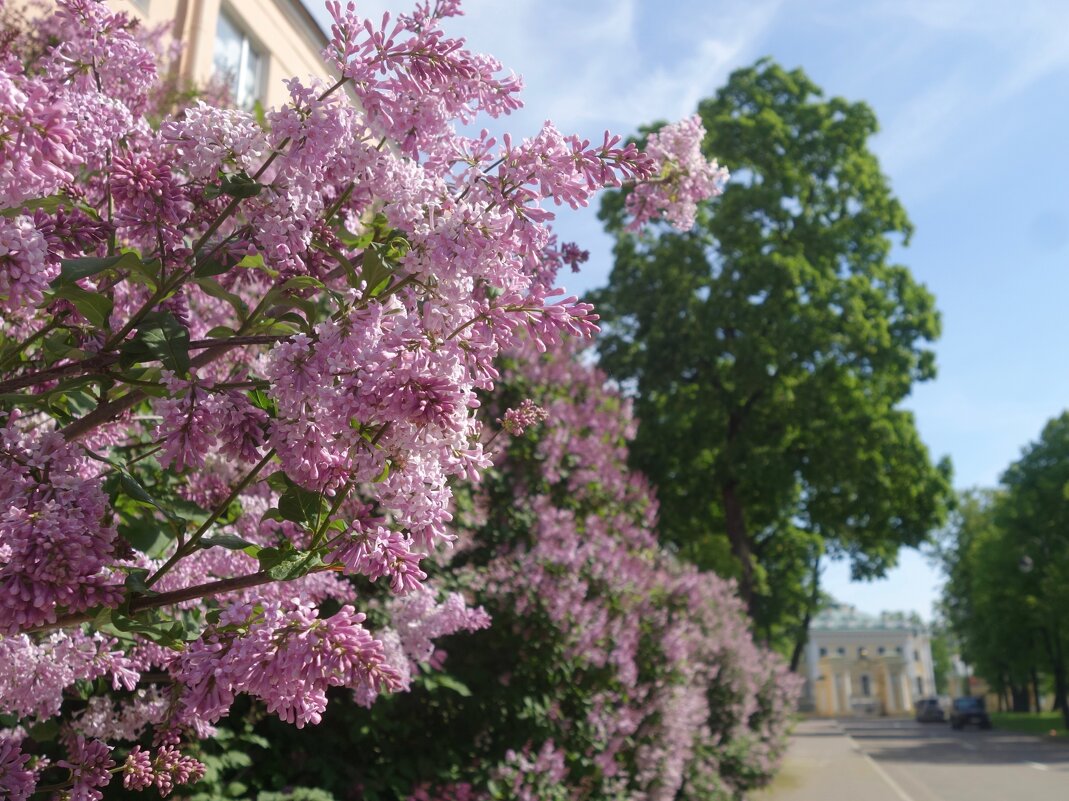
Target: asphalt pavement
point(885, 759)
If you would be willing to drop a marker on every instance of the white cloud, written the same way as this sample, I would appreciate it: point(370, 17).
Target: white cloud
point(1022, 43)
point(595, 64)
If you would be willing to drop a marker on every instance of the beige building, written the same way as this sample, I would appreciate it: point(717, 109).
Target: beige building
point(251, 45)
point(859, 664)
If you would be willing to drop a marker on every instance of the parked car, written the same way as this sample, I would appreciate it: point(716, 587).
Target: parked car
point(969, 709)
point(929, 710)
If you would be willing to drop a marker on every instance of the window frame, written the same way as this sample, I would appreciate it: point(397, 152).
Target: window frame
point(249, 45)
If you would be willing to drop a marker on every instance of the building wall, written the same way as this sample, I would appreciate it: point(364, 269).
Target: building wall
point(897, 663)
point(282, 30)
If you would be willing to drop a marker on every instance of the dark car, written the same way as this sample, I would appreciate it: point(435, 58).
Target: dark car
point(969, 709)
point(929, 710)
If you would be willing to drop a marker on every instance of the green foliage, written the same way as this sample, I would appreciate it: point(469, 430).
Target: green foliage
point(770, 347)
point(1006, 555)
point(942, 643)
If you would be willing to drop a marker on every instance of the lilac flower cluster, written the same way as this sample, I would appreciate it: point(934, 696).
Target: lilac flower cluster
point(241, 368)
point(168, 769)
point(283, 655)
point(54, 543)
point(684, 178)
point(17, 781)
point(527, 414)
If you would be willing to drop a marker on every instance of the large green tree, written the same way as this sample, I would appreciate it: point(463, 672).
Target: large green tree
point(770, 348)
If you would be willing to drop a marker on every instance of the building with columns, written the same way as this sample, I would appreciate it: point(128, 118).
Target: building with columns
point(860, 664)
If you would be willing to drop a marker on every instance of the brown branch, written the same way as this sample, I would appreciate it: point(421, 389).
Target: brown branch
point(59, 371)
point(109, 411)
point(143, 603)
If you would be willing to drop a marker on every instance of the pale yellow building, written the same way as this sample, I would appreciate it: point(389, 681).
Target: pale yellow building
point(859, 664)
point(251, 45)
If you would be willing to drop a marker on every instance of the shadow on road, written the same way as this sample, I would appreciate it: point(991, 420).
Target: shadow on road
point(906, 741)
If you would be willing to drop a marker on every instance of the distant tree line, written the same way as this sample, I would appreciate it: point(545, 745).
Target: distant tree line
point(1006, 556)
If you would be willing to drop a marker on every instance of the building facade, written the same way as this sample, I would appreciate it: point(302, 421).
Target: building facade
point(859, 664)
point(251, 46)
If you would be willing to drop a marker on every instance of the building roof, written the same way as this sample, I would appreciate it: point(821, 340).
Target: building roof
point(844, 617)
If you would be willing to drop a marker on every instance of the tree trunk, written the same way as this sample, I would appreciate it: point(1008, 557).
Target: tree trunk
point(1035, 690)
point(1019, 697)
point(803, 631)
point(735, 524)
point(1057, 669)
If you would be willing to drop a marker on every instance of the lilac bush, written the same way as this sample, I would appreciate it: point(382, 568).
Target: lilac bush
point(611, 670)
point(668, 696)
point(240, 372)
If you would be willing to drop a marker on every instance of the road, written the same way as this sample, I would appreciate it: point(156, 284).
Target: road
point(900, 760)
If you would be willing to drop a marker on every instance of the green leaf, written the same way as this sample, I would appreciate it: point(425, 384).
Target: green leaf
point(261, 400)
point(45, 731)
point(145, 535)
point(375, 271)
point(285, 563)
point(159, 337)
point(238, 185)
point(72, 270)
point(48, 204)
point(136, 490)
point(220, 332)
point(383, 474)
point(211, 267)
point(216, 290)
point(96, 308)
point(279, 481)
point(449, 683)
point(136, 580)
point(300, 505)
point(58, 345)
point(232, 542)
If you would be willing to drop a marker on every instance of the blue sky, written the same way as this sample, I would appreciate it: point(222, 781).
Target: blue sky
point(973, 101)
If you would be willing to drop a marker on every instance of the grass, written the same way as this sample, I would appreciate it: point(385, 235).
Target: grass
point(1031, 723)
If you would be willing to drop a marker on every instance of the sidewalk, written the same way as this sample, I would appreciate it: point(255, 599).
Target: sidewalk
point(823, 764)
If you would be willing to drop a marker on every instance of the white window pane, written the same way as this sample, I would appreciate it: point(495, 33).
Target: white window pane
point(237, 62)
point(251, 77)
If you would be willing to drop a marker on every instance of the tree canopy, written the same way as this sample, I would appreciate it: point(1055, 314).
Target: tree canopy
point(1006, 556)
point(769, 350)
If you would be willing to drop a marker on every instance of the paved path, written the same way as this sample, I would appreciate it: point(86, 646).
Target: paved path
point(899, 760)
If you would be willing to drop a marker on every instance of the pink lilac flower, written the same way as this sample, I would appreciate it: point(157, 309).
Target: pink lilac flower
point(518, 420)
point(285, 656)
point(54, 544)
point(34, 672)
point(26, 266)
point(17, 781)
point(90, 764)
point(171, 768)
point(137, 772)
point(685, 177)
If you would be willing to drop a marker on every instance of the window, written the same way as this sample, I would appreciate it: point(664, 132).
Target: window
point(840, 651)
point(920, 686)
point(238, 62)
point(916, 656)
point(880, 650)
point(823, 651)
point(898, 650)
point(866, 686)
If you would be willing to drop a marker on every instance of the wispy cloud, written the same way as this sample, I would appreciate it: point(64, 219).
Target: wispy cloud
point(963, 96)
point(592, 64)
